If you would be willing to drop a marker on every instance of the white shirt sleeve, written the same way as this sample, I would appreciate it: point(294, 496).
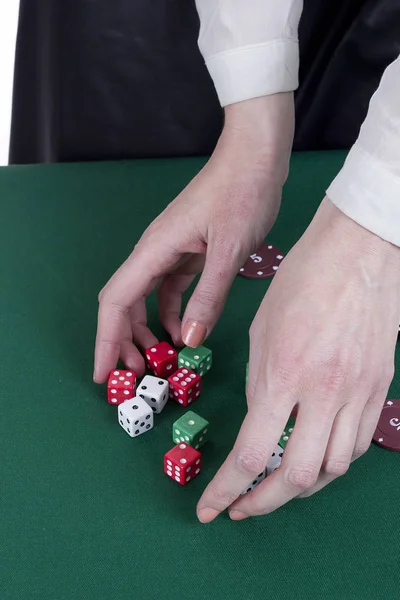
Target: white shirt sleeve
point(250, 46)
point(367, 189)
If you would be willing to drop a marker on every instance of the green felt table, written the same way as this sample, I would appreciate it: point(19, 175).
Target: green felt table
point(85, 511)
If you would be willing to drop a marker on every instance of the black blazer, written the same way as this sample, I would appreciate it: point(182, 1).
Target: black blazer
point(124, 78)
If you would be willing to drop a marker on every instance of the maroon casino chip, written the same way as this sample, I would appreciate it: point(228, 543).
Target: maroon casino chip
point(263, 263)
point(387, 434)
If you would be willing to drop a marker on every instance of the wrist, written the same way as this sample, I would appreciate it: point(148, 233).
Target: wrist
point(354, 240)
point(267, 122)
point(259, 132)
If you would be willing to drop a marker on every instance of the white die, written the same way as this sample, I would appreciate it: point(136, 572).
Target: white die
point(273, 463)
point(275, 460)
point(135, 416)
point(154, 391)
point(255, 482)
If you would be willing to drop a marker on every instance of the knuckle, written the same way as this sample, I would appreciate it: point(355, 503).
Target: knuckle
point(220, 497)
point(286, 366)
point(303, 477)
point(341, 370)
point(104, 293)
point(231, 253)
point(336, 468)
point(153, 229)
point(334, 373)
point(207, 299)
point(119, 309)
point(334, 378)
point(250, 461)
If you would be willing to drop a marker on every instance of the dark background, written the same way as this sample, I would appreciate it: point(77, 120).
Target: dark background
point(125, 79)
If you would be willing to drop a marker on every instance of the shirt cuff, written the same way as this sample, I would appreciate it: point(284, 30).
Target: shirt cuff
point(254, 71)
point(369, 194)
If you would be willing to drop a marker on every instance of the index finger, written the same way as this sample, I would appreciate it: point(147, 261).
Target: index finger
point(258, 436)
point(133, 280)
point(300, 467)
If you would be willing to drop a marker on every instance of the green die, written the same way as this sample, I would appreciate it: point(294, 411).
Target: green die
point(286, 434)
point(190, 428)
point(197, 359)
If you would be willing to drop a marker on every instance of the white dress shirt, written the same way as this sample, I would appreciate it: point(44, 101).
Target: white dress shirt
point(251, 49)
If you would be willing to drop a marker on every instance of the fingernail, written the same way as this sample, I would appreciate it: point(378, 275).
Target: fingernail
point(194, 334)
point(207, 514)
point(236, 515)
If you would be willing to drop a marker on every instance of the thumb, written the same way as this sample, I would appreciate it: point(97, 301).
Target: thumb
point(208, 299)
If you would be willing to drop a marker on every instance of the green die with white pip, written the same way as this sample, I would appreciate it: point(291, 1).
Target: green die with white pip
point(197, 359)
point(287, 433)
point(190, 428)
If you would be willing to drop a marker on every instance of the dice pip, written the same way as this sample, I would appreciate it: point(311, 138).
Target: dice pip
point(162, 359)
point(287, 433)
point(135, 416)
point(275, 461)
point(154, 391)
point(197, 359)
point(182, 463)
point(121, 386)
point(192, 429)
point(184, 386)
point(255, 482)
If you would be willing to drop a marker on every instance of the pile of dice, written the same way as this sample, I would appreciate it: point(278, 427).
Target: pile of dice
point(178, 377)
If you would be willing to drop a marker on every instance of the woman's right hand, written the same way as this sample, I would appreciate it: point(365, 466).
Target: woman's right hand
point(211, 227)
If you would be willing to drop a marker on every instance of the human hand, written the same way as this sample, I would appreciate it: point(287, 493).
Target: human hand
point(212, 226)
point(322, 344)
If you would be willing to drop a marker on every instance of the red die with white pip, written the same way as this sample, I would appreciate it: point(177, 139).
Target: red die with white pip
point(162, 359)
point(184, 386)
point(121, 386)
point(182, 463)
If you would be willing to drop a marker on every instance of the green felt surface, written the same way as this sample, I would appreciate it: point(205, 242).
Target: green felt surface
point(85, 511)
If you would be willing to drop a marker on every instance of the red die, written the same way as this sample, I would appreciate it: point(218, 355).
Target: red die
point(121, 386)
point(182, 463)
point(184, 386)
point(162, 359)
